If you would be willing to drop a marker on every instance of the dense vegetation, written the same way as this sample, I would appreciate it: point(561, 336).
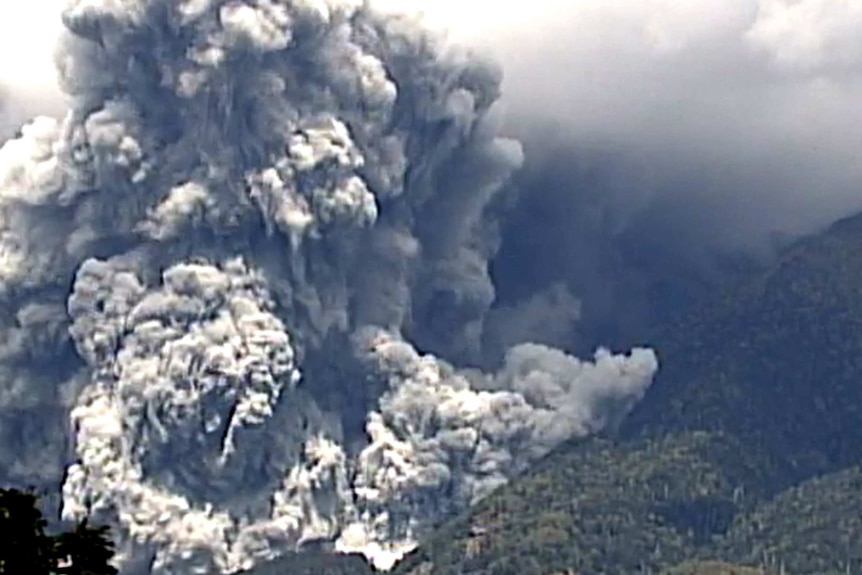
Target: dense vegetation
point(740, 460)
point(776, 362)
point(27, 549)
point(815, 527)
point(712, 568)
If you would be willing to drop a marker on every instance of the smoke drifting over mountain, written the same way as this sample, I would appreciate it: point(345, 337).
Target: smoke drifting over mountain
point(669, 144)
point(245, 286)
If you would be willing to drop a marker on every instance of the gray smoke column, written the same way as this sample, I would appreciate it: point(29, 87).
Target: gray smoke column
point(245, 286)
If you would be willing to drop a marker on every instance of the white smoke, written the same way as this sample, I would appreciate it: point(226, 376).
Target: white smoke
point(248, 273)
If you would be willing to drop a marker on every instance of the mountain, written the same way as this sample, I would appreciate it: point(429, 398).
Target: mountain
point(815, 527)
point(775, 362)
point(742, 452)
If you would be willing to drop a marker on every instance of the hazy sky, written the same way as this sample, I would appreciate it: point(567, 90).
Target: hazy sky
point(785, 69)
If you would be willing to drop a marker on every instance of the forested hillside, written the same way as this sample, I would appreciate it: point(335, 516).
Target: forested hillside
point(740, 459)
point(775, 361)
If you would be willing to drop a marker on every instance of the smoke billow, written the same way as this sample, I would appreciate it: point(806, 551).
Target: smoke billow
point(670, 146)
point(246, 293)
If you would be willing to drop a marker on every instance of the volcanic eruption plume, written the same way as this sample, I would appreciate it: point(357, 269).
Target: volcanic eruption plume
point(245, 281)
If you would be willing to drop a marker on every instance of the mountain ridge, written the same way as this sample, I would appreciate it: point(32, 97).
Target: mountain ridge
point(806, 308)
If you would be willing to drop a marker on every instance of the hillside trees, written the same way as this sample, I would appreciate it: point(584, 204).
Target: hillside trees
point(27, 548)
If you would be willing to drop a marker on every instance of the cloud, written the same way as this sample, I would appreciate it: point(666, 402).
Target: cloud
point(707, 84)
point(667, 143)
point(246, 286)
point(810, 36)
point(721, 123)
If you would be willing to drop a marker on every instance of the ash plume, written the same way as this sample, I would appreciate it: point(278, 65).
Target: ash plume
point(246, 292)
point(670, 146)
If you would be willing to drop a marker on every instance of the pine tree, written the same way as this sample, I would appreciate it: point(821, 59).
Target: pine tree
point(25, 548)
point(86, 550)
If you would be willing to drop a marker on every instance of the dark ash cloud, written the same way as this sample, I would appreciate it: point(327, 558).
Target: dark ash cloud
point(255, 255)
point(669, 147)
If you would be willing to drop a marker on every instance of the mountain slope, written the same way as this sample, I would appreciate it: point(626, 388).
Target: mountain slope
point(815, 527)
point(775, 362)
point(602, 507)
point(758, 393)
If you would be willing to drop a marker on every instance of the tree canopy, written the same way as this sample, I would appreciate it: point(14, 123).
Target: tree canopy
point(27, 547)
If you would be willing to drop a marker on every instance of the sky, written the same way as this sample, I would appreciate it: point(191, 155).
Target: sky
point(27, 79)
point(671, 134)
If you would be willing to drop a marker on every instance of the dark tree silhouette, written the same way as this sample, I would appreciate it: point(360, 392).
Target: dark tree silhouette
point(25, 547)
point(86, 549)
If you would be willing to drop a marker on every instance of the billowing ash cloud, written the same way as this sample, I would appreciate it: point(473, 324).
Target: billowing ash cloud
point(668, 144)
point(246, 292)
